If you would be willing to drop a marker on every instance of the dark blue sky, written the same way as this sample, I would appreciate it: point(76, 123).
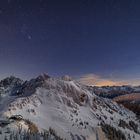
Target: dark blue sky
point(72, 37)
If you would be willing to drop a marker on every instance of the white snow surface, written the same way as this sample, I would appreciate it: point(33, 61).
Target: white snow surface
point(67, 107)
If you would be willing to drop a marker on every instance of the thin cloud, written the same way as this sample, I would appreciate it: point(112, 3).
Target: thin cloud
point(92, 79)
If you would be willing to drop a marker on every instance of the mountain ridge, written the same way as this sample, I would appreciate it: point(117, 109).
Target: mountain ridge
point(68, 107)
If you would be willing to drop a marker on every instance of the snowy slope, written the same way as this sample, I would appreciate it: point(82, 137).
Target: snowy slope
point(68, 107)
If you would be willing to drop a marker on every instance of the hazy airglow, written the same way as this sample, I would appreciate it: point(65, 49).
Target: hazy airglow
point(92, 79)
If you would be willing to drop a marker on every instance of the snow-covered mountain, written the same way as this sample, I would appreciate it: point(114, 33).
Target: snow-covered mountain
point(66, 106)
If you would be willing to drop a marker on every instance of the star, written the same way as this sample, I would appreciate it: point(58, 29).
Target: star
point(29, 37)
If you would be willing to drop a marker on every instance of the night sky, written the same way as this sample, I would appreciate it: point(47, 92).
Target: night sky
point(73, 37)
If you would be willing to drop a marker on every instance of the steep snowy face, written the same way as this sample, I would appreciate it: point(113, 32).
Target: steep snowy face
point(70, 109)
point(57, 104)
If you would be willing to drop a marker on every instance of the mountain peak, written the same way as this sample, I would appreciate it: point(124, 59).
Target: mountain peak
point(12, 80)
point(66, 78)
point(43, 76)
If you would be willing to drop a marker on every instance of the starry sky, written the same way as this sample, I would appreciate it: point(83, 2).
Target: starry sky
point(73, 37)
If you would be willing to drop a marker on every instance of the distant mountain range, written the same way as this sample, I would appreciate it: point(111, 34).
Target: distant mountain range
point(46, 108)
point(113, 91)
point(129, 96)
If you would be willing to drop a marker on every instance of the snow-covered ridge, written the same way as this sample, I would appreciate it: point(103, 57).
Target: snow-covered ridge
point(68, 107)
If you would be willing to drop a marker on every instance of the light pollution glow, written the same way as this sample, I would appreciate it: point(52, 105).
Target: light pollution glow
point(92, 79)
